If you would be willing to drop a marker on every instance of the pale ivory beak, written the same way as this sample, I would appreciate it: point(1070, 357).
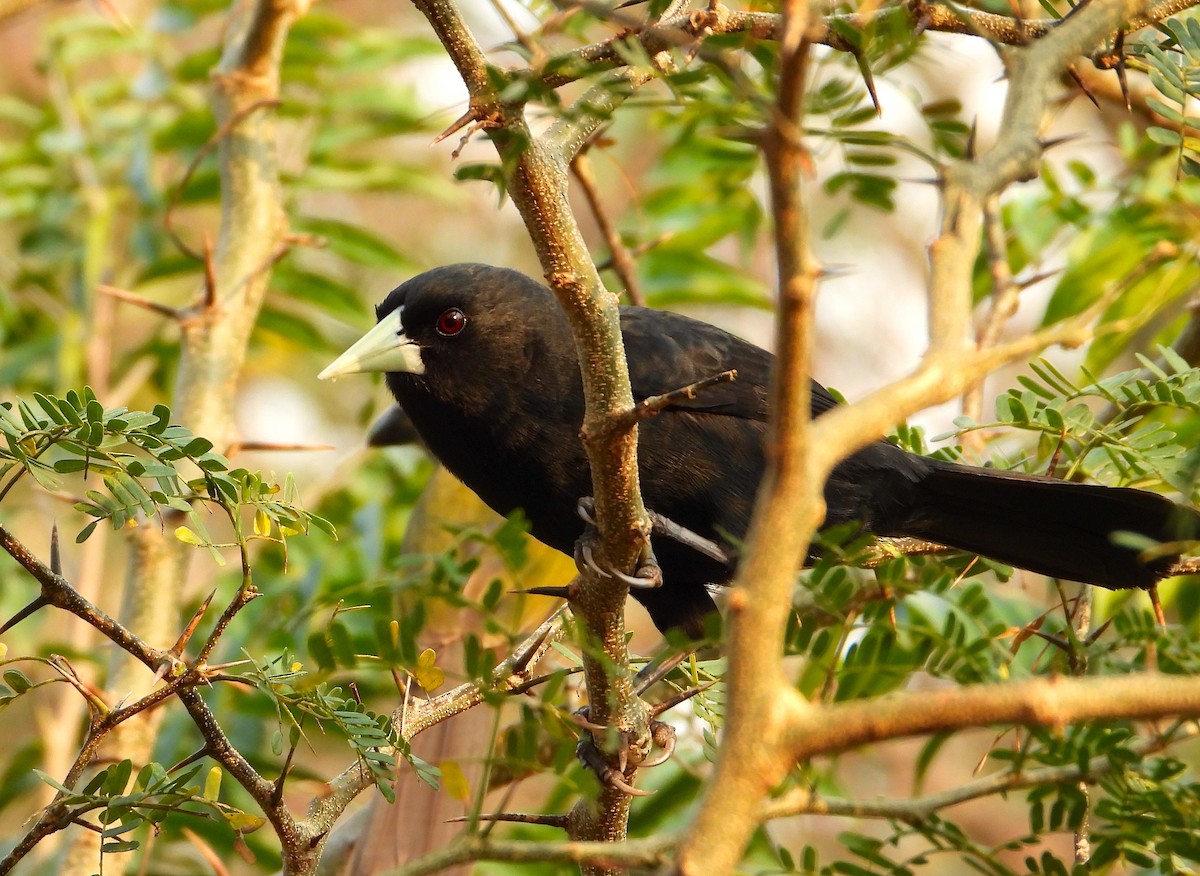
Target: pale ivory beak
point(384, 348)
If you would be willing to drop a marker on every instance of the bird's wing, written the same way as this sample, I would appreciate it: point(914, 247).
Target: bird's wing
point(667, 351)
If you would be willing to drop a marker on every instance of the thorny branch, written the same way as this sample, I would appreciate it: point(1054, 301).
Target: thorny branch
point(687, 29)
point(57, 591)
point(538, 163)
point(538, 167)
point(967, 708)
point(301, 839)
point(766, 704)
point(216, 330)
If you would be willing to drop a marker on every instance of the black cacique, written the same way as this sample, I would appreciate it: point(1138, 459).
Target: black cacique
point(483, 362)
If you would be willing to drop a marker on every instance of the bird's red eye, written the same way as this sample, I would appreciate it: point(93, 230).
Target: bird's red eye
point(451, 322)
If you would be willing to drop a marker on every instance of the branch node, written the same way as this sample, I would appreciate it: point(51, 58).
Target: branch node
point(655, 404)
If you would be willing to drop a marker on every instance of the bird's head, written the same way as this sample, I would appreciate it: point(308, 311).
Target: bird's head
point(454, 327)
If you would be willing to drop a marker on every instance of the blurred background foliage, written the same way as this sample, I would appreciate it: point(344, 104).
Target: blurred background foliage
point(108, 181)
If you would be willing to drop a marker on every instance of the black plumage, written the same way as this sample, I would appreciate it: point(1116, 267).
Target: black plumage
point(483, 361)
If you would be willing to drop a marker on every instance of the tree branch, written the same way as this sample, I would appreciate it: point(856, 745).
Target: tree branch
point(1046, 702)
point(536, 171)
point(790, 503)
point(512, 674)
point(642, 854)
point(802, 801)
point(215, 339)
point(688, 28)
point(58, 592)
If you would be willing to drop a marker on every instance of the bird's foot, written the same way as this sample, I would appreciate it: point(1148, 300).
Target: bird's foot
point(665, 526)
point(648, 574)
point(629, 755)
point(616, 777)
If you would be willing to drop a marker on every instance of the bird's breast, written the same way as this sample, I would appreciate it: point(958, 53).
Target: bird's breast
point(511, 458)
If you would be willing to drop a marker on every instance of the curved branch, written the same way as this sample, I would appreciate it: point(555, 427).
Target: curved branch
point(802, 801)
point(790, 504)
point(1046, 702)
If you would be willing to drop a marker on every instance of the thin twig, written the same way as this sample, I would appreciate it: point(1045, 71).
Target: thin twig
point(619, 254)
point(684, 30)
point(173, 313)
point(203, 152)
point(559, 821)
point(656, 404)
point(1005, 297)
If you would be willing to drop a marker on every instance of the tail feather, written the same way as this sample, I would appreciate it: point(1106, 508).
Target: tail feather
point(1058, 528)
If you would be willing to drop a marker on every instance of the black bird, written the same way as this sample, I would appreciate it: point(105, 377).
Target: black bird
point(483, 361)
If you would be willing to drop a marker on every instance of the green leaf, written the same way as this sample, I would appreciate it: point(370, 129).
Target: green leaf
point(197, 447)
point(50, 408)
point(355, 243)
point(1164, 136)
point(114, 846)
point(86, 532)
point(53, 783)
point(342, 644)
point(1170, 112)
point(162, 415)
point(17, 680)
point(320, 652)
point(242, 822)
point(44, 475)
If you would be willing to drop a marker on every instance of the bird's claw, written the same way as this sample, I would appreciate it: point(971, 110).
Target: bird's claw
point(585, 562)
point(660, 525)
point(586, 509)
point(580, 719)
point(614, 777)
point(662, 736)
point(590, 756)
point(648, 574)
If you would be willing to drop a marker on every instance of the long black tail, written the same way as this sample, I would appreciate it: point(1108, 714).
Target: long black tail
point(1054, 527)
